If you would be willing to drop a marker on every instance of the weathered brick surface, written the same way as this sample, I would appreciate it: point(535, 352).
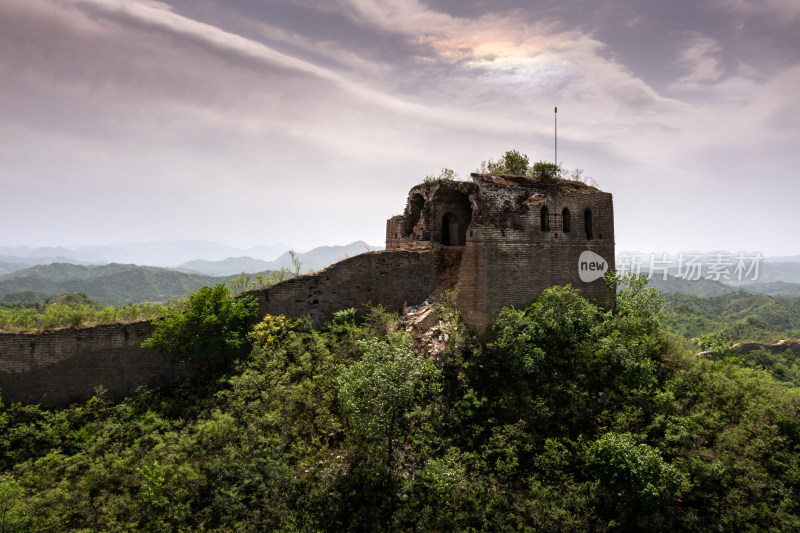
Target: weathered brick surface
point(66, 365)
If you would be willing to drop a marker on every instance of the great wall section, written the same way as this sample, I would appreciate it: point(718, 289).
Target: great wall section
point(497, 240)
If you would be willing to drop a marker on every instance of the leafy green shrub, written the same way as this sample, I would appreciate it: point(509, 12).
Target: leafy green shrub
point(511, 162)
point(544, 170)
point(213, 326)
point(717, 345)
point(13, 515)
point(446, 174)
point(633, 474)
point(547, 333)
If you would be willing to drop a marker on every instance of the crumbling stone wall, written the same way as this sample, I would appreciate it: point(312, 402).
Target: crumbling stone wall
point(389, 278)
point(63, 366)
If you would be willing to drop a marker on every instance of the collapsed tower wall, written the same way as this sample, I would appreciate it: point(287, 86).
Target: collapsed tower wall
point(391, 278)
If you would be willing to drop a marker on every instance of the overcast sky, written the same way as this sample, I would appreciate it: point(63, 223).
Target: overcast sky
point(305, 122)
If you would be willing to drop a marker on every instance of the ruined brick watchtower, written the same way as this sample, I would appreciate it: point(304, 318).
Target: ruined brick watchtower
point(510, 237)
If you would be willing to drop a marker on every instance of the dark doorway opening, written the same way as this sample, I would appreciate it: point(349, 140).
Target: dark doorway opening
point(446, 223)
point(455, 212)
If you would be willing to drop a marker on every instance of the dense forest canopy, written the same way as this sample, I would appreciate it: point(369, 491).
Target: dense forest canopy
point(562, 416)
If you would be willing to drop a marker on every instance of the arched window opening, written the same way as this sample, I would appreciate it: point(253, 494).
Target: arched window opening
point(587, 222)
point(565, 220)
point(544, 223)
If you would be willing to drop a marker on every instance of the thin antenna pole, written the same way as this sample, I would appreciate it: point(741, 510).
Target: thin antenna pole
point(555, 178)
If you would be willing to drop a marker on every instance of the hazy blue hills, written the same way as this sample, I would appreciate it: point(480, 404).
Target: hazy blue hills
point(9, 266)
point(229, 266)
point(323, 256)
point(108, 284)
point(314, 259)
point(189, 256)
point(775, 277)
point(157, 253)
point(700, 287)
point(772, 288)
point(128, 283)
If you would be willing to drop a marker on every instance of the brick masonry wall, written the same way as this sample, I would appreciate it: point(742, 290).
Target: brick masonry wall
point(63, 366)
point(389, 278)
point(512, 263)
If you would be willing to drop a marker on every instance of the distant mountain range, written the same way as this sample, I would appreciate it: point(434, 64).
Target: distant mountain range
point(164, 254)
point(128, 283)
point(312, 260)
point(775, 276)
point(701, 287)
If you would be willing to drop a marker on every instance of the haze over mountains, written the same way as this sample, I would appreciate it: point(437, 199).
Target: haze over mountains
point(774, 276)
point(176, 254)
point(312, 260)
point(163, 254)
point(115, 282)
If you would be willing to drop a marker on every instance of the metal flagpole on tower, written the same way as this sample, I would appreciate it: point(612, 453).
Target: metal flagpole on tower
point(555, 177)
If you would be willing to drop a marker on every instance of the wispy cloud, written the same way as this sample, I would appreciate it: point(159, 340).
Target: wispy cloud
point(700, 58)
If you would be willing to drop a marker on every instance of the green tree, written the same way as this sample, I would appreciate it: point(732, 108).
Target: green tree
point(383, 393)
point(213, 326)
point(547, 333)
point(511, 162)
point(12, 507)
point(446, 174)
point(632, 474)
point(544, 170)
point(717, 345)
point(74, 299)
point(297, 263)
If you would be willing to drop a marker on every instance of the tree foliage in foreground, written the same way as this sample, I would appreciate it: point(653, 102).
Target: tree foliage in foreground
point(212, 326)
point(563, 416)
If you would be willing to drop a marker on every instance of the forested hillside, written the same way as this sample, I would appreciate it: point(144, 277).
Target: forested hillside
point(740, 316)
point(108, 284)
point(561, 417)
